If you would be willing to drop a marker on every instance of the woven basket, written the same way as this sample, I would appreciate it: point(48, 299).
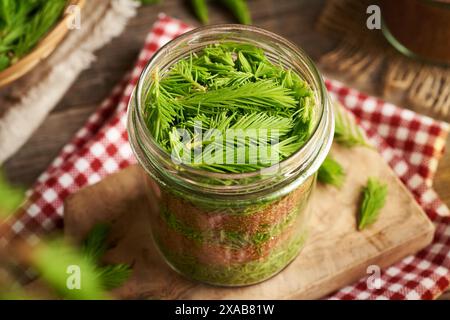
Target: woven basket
point(45, 47)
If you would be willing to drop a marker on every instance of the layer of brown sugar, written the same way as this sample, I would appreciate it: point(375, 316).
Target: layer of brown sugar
point(215, 253)
point(197, 218)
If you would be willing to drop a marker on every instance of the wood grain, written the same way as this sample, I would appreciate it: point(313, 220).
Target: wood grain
point(336, 254)
point(294, 19)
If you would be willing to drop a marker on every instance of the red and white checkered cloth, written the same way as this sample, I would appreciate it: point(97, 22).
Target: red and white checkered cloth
point(410, 143)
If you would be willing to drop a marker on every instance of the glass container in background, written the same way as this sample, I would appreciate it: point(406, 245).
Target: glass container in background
point(231, 229)
point(418, 28)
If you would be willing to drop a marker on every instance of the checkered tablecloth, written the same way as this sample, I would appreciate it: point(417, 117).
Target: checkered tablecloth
point(410, 143)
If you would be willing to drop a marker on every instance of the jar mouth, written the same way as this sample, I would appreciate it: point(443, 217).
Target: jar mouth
point(198, 39)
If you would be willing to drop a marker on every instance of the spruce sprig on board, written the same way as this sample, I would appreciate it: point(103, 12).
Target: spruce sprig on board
point(238, 8)
point(94, 247)
point(374, 198)
point(113, 275)
point(348, 134)
point(56, 261)
point(201, 10)
point(67, 271)
point(10, 197)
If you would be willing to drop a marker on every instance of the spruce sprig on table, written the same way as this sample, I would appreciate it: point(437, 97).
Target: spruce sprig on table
point(347, 132)
point(56, 261)
point(251, 96)
point(94, 247)
point(331, 172)
point(240, 10)
point(374, 198)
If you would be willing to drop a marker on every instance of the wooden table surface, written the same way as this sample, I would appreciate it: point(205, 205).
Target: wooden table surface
point(293, 19)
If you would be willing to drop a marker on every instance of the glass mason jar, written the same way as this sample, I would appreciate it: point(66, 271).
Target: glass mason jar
point(231, 229)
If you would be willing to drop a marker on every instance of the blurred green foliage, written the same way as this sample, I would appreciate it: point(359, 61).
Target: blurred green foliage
point(10, 197)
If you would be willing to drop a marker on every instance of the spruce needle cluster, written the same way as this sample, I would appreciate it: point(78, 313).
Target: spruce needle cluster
point(331, 172)
point(230, 86)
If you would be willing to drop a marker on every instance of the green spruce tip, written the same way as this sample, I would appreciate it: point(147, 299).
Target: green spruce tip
point(240, 10)
point(373, 200)
point(113, 276)
point(347, 132)
point(94, 247)
point(201, 10)
point(331, 172)
point(229, 86)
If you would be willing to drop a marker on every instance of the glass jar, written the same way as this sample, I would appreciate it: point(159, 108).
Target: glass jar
point(231, 229)
point(419, 29)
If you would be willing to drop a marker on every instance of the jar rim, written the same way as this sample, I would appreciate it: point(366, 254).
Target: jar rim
point(294, 159)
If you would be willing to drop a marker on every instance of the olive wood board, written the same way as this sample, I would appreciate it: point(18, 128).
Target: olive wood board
point(336, 253)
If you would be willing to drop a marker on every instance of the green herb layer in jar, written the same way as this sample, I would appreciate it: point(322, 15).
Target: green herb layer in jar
point(231, 123)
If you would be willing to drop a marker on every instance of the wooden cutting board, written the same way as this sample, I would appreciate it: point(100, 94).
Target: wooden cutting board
point(336, 254)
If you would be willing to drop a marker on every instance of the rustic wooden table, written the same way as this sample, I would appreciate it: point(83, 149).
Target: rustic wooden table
point(293, 19)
